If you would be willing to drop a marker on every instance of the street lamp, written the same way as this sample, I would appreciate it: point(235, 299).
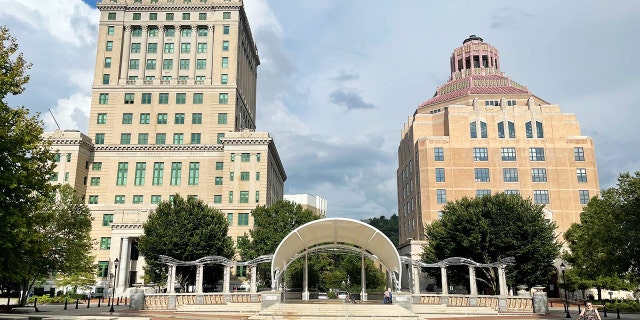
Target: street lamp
point(566, 297)
point(113, 293)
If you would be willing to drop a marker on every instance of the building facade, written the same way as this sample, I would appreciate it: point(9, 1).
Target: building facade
point(173, 111)
point(317, 204)
point(483, 133)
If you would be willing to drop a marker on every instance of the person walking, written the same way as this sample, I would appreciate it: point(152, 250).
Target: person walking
point(387, 296)
point(589, 313)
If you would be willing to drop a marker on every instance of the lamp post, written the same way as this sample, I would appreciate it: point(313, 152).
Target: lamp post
point(566, 297)
point(115, 276)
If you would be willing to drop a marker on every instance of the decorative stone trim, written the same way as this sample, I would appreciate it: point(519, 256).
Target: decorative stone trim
point(170, 148)
point(126, 226)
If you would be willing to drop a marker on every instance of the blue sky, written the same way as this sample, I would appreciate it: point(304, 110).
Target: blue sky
point(339, 78)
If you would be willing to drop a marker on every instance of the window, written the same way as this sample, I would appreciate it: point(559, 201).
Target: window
point(231, 175)
point(168, 47)
point(185, 32)
point(138, 199)
point(541, 196)
point(179, 118)
point(102, 118)
point(107, 62)
point(202, 16)
point(528, 129)
point(125, 138)
point(155, 199)
point(439, 174)
point(111, 30)
point(482, 192)
point(143, 138)
point(194, 173)
point(218, 181)
point(538, 175)
point(136, 32)
point(578, 153)
point(219, 138)
point(146, 98)
point(169, 17)
point(158, 173)
point(243, 219)
point(178, 138)
point(185, 47)
point(482, 174)
point(202, 47)
point(258, 157)
point(536, 154)
point(257, 176)
point(202, 32)
point(438, 154)
point(107, 219)
point(119, 199)
point(245, 157)
point(223, 98)
point(217, 198)
point(181, 98)
point(225, 45)
point(222, 118)
point(144, 118)
point(162, 118)
point(473, 132)
point(480, 154)
point(582, 174)
point(539, 131)
point(219, 165)
point(229, 216)
point(196, 118)
point(244, 176)
point(134, 64)
point(153, 16)
point(151, 64)
point(95, 181)
point(141, 168)
point(186, 16)
point(512, 130)
point(105, 243)
point(99, 138)
point(510, 174)
point(104, 98)
point(483, 129)
point(225, 29)
point(224, 79)
point(584, 196)
point(176, 172)
point(201, 64)
point(123, 168)
point(127, 118)
point(53, 176)
point(230, 196)
point(93, 199)
point(128, 98)
point(501, 129)
point(508, 154)
point(225, 62)
point(137, 16)
point(161, 138)
point(441, 195)
point(105, 79)
point(96, 166)
point(512, 191)
point(167, 64)
point(163, 98)
point(103, 269)
point(195, 138)
point(226, 15)
point(244, 196)
point(109, 46)
point(111, 16)
point(184, 64)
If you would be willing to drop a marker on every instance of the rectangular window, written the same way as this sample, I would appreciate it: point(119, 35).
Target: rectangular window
point(135, 48)
point(218, 181)
point(584, 196)
point(185, 47)
point(243, 219)
point(111, 30)
point(482, 192)
point(541, 196)
point(137, 16)
point(181, 98)
point(184, 64)
point(143, 138)
point(244, 196)
point(105, 78)
point(483, 129)
point(162, 118)
point(141, 168)
point(96, 166)
point(441, 196)
point(578, 153)
point(194, 173)
point(202, 32)
point(225, 45)
point(179, 118)
point(125, 138)
point(512, 130)
point(178, 138)
point(107, 62)
point(512, 191)
point(123, 168)
point(146, 98)
point(508, 154)
point(482, 174)
point(222, 118)
point(102, 118)
point(229, 216)
point(439, 174)
point(196, 118)
point(158, 173)
point(219, 165)
point(473, 132)
point(202, 47)
point(168, 47)
point(127, 118)
point(153, 16)
point(129, 98)
point(536, 154)
point(134, 64)
point(151, 64)
point(226, 15)
point(538, 175)
point(109, 46)
point(185, 32)
point(155, 199)
point(231, 175)
point(258, 157)
point(223, 98)
point(137, 199)
point(105, 243)
point(99, 138)
point(528, 129)
point(169, 17)
point(202, 16)
point(539, 131)
point(104, 98)
point(176, 173)
point(93, 199)
point(186, 16)
point(480, 154)
point(257, 196)
point(225, 62)
point(161, 138)
point(111, 16)
point(219, 137)
point(582, 174)
point(167, 64)
point(230, 196)
point(224, 79)
point(510, 174)
point(119, 199)
point(95, 181)
point(103, 269)
point(500, 129)
point(257, 176)
point(136, 32)
point(163, 98)
point(195, 138)
point(225, 29)
point(244, 176)
point(217, 198)
point(201, 64)
point(107, 219)
point(245, 157)
point(438, 154)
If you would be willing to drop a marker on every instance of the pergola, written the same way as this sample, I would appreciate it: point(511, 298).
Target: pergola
point(334, 235)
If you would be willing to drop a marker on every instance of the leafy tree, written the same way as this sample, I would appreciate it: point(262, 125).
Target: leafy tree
point(270, 225)
point(491, 228)
point(603, 246)
point(77, 280)
point(390, 227)
point(187, 230)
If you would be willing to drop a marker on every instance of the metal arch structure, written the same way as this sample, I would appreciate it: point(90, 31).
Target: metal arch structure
point(337, 233)
point(336, 249)
point(459, 261)
point(215, 260)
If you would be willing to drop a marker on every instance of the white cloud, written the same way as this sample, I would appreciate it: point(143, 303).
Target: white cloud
point(70, 113)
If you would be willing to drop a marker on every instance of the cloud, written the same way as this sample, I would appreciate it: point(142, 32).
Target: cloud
point(349, 99)
point(346, 75)
point(70, 113)
point(508, 17)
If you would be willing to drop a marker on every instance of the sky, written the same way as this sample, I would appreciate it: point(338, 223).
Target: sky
point(339, 78)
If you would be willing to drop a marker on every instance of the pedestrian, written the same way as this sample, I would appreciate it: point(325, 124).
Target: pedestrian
point(387, 296)
point(589, 313)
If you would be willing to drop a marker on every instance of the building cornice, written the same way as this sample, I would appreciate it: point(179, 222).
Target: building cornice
point(163, 147)
point(122, 226)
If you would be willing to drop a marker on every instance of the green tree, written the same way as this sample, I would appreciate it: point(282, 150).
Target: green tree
point(186, 230)
point(77, 280)
point(390, 227)
point(270, 225)
point(603, 246)
point(490, 228)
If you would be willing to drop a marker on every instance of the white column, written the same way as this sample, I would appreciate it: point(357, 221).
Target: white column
point(254, 278)
point(171, 279)
point(126, 50)
point(443, 277)
point(124, 264)
point(144, 55)
point(210, 58)
point(502, 281)
point(363, 279)
point(305, 279)
point(472, 281)
point(199, 278)
point(227, 279)
point(415, 276)
point(193, 54)
point(160, 54)
point(176, 55)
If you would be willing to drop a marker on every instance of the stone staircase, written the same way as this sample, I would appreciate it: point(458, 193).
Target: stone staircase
point(317, 311)
point(442, 311)
point(249, 308)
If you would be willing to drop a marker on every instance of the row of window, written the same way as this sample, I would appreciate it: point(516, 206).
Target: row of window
point(511, 175)
point(158, 176)
point(167, 64)
point(155, 199)
point(107, 220)
point(501, 129)
point(244, 157)
point(169, 16)
point(145, 118)
point(56, 157)
point(160, 138)
point(508, 154)
point(163, 98)
point(539, 196)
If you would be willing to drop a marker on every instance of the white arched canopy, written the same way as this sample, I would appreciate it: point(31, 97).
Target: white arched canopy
point(336, 231)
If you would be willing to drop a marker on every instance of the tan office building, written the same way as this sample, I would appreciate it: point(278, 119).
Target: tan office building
point(483, 133)
point(173, 110)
